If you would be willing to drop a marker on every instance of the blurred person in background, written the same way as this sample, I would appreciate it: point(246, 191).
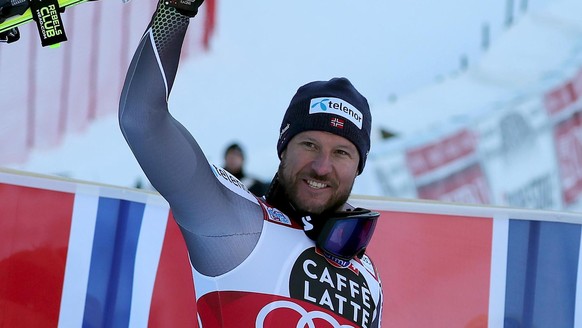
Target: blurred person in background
point(234, 163)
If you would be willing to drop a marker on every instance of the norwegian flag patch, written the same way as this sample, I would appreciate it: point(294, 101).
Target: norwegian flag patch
point(337, 123)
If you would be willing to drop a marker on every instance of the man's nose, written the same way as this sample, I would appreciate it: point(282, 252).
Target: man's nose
point(322, 164)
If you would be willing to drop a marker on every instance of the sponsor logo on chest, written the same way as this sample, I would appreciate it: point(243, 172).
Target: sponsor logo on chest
point(340, 290)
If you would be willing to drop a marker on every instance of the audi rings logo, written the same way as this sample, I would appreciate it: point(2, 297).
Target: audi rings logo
point(307, 318)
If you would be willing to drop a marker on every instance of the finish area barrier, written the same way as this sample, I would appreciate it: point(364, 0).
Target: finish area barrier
point(78, 254)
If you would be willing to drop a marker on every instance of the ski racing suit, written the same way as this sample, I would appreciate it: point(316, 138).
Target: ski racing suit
point(253, 265)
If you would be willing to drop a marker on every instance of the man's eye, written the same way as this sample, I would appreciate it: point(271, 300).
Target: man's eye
point(343, 153)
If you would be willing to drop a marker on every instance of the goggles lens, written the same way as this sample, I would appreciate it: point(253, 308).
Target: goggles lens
point(346, 237)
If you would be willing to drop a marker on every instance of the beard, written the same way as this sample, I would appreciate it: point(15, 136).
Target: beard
point(290, 183)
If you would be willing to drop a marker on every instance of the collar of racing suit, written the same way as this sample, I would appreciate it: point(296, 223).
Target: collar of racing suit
point(276, 196)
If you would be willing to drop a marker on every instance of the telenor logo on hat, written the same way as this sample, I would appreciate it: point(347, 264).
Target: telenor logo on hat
point(336, 106)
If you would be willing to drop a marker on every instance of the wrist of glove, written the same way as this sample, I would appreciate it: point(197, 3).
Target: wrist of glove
point(185, 7)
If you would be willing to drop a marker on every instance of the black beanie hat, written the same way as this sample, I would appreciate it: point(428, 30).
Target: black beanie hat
point(333, 106)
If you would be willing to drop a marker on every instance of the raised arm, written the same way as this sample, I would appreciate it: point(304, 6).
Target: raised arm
point(211, 216)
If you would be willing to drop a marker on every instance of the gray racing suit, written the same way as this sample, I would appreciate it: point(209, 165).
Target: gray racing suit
point(222, 223)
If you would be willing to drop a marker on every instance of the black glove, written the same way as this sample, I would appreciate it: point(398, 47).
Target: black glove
point(185, 7)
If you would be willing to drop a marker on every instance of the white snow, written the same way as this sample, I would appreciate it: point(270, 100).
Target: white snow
point(264, 50)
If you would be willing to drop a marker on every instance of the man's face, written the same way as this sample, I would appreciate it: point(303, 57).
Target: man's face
point(318, 170)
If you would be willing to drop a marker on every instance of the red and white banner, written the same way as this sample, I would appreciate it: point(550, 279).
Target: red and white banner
point(526, 153)
point(47, 93)
point(448, 169)
point(563, 106)
point(568, 138)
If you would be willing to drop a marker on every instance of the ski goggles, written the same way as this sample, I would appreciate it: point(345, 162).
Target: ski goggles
point(349, 234)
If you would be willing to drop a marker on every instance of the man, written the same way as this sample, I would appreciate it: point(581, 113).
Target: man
point(294, 258)
point(234, 163)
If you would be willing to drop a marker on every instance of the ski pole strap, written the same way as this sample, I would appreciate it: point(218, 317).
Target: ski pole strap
point(47, 15)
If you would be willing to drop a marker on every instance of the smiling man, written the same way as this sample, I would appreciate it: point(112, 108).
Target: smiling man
point(318, 170)
point(293, 258)
point(323, 144)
